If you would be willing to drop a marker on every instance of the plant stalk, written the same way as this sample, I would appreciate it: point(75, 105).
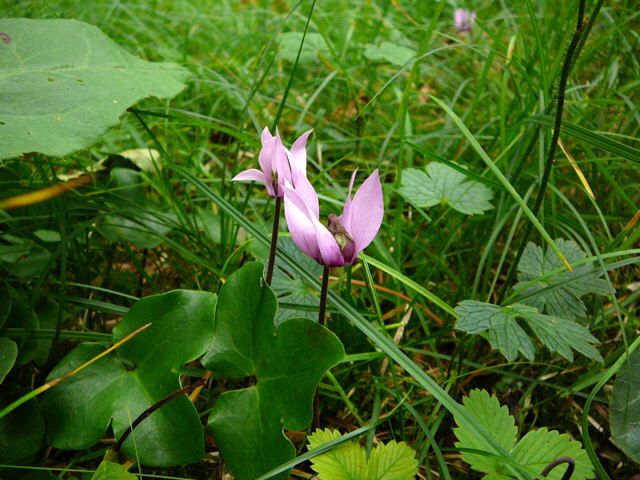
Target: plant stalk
point(323, 295)
point(570, 468)
point(152, 409)
point(274, 240)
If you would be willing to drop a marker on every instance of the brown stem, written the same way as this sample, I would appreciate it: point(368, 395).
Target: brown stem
point(323, 295)
point(152, 409)
point(570, 468)
point(274, 240)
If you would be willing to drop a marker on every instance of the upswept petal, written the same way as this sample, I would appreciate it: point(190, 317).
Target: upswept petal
point(251, 175)
point(298, 156)
point(366, 212)
point(345, 218)
point(280, 163)
point(300, 225)
point(266, 154)
point(308, 195)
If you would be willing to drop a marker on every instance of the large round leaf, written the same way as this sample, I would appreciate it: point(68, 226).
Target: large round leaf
point(287, 361)
point(118, 388)
point(64, 82)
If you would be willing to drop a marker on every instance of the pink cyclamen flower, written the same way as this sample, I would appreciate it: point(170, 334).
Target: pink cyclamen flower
point(346, 235)
point(463, 19)
point(279, 165)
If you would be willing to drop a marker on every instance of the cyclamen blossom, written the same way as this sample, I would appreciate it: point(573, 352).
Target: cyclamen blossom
point(463, 19)
point(279, 165)
point(346, 235)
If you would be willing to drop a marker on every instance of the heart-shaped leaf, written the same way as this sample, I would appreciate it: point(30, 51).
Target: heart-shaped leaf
point(112, 471)
point(64, 82)
point(348, 461)
point(287, 362)
point(119, 387)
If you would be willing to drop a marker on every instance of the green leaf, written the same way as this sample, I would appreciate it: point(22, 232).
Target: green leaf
point(389, 52)
point(496, 419)
point(624, 408)
point(557, 334)
point(443, 184)
point(8, 355)
point(540, 447)
point(557, 294)
point(21, 431)
point(348, 461)
point(64, 82)
point(119, 387)
point(314, 46)
point(287, 362)
point(5, 302)
point(112, 471)
point(533, 452)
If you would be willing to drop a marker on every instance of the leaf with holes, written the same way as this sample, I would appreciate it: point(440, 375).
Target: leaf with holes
point(117, 388)
point(347, 461)
point(559, 293)
point(443, 184)
point(64, 83)
point(287, 362)
point(533, 452)
point(507, 335)
point(624, 408)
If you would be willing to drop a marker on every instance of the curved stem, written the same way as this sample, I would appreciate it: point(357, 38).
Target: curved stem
point(323, 295)
point(570, 468)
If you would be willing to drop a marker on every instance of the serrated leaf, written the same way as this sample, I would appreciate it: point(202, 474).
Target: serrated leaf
point(287, 362)
point(64, 82)
point(540, 447)
point(505, 333)
point(348, 461)
point(624, 408)
point(112, 471)
point(557, 294)
point(389, 52)
point(443, 184)
point(533, 452)
point(314, 46)
point(496, 420)
point(119, 387)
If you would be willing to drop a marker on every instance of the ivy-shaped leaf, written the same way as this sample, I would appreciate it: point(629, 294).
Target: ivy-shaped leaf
point(348, 461)
point(557, 294)
point(287, 362)
point(120, 386)
point(533, 452)
point(624, 408)
point(389, 52)
point(557, 334)
point(314, 46)
point(443, 184)
point(64, 82)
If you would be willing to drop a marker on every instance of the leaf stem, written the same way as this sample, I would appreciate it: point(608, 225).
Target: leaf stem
point(274, 239)
point(152, 409)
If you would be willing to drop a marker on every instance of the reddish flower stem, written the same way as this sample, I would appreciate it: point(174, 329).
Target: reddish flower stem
point(274, 240)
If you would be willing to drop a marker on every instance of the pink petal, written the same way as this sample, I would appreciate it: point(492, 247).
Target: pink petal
point(252, 175)
point(366, 212)
point(307, 232)
point(300, 225)
point(280, 163)
point(308, 195)
point(345, 218)
point(266, 154)
point(298, 154)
